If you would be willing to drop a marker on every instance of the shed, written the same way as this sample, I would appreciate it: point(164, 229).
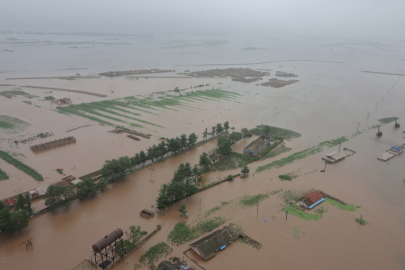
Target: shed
point(254, 147)
point(147, 213)
point(334, 156)
point(311, 199)
point(218, 240)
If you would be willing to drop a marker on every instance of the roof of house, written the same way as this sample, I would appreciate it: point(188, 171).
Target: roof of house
point(258, 142)
point(208, 245)
point(167, 265)
point(311, 198)
point(336, 155)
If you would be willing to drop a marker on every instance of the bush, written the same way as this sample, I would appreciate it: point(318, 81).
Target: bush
point(285, 177)
point(156, 252)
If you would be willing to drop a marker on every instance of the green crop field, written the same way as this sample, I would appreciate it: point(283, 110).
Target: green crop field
point(21, 166)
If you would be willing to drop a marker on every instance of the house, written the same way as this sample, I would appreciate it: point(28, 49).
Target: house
point(167, 265)
point(218, 240)
point(254, 147)
point(311, 199)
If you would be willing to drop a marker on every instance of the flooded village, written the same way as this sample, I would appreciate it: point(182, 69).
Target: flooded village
point(211, 159)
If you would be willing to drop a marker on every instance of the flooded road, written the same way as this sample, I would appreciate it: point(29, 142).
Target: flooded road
point(329, 102)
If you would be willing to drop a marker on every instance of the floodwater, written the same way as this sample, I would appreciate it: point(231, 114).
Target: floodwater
point(329, 101)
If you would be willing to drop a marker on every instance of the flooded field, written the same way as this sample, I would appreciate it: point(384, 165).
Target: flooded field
point(333, 97)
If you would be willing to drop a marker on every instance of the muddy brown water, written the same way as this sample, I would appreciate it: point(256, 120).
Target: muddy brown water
point(328, 102)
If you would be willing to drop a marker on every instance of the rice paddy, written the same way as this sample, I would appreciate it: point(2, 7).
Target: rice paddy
point(128, 110)
point(21, 166)
point(12, 125)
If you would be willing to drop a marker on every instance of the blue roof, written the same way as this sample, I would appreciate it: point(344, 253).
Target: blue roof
point(315, 204)
point(223, 247)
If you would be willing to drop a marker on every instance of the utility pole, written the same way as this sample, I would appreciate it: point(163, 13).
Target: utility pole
point(286, 213)
point(257, 214)
point(324, 170)
point(339, 148)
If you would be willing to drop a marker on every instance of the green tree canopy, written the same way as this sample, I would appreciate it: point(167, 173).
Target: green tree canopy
point(86, 189)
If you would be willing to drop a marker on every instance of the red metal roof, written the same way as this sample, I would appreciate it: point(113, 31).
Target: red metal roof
point(311, 198)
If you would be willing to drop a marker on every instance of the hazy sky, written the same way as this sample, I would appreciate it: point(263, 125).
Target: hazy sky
point(340, 18)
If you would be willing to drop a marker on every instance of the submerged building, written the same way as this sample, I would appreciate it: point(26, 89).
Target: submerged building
point(254, 147)
point(311, 199)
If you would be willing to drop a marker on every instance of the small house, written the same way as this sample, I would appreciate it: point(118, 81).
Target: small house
point(167, 265)
point(147, 213)
point(254, 147)
point(218, 240)
point(334, 156)
point(311, 199)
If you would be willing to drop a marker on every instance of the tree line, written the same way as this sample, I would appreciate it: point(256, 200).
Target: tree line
point(14, 221)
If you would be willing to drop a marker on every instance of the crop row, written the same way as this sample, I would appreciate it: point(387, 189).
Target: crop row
point(21, 166)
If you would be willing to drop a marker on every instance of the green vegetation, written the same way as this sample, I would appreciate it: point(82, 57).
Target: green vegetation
point(386, 120)
point(277, 151)
point(347, 207)
point(285, 177)
point(11, 124)
point(11, 222)
point(21, 166)
point(28, 102)
point(135, 234)
point(212, 210)
point(361, 221)
point(299, 212)
point(49, 98)
point(3, 175)
point(302, 154)
point(57, 196)
point(245, 170)
point(255, 199)
point(124, 108)
point(182, 232)
point(156, 252)
point(232, 161)
point(275, 132)
point(269, 148)
point(15, 92)
point(296, 232)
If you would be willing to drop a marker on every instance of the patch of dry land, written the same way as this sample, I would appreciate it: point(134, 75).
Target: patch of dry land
point(276, 83)
point(134, 72)
point(245, 75)
point(285, 74)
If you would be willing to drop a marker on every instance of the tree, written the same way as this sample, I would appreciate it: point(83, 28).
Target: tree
point(183, 141)
point(234, 137)
point(213, 155)
point(224, 146)
point(20, 220)
point(266, 129)
point(205, 134)
point(102, 185)
point(161, 149)
point(205, 161)
point(196, 173)
point(245, 170)
point(192, 139)
point(245, 132)
point(86, 189)
point(2, 205)
point(182, 210)
point(213, 130)
point(23, 203)
point(11, 222)
point(152, 152)
point(135, 233)
point(69, 195)
point(142, 157)
point(54, 197)
point(226, 126)
point(219, 128)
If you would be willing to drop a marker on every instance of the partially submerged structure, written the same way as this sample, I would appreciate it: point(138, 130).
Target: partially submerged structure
point(147, 213)
point(311, 199)
point(334, 156)
point(63, 101)
point(86, 265)
point(52, 144)
point(167, 265)
point(105, 250)
point(392, 152)
point(207, 247)
point(254, 147)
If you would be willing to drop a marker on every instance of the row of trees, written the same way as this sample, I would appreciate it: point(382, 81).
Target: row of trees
point(58, 196)
point(216, 130)
point(117, 168)
point(182, 185)
point(13, 221)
